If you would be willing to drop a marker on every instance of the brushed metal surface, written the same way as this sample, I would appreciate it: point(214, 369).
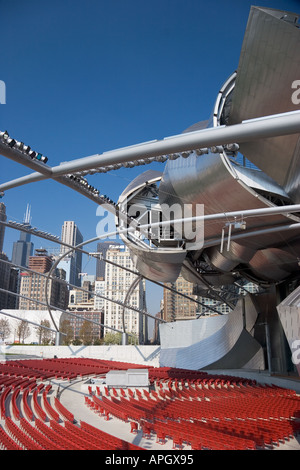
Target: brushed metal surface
point(269, 64)
point(289, 314)
point(261, 86)
point(196, 344)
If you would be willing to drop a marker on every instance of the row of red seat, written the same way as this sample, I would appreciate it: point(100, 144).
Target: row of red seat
point(51, 412)
point(37, 407)
point(20, 436)
point(27, 410)
point(23, 378)
point(57, 438)
point(196, 408)
point(118, 444)
point(266, 417)
point(3, 400)
point(35, 434)
point(6, 442)
point(63, 410)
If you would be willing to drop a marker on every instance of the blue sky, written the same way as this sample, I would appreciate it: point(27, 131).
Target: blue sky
point(84, 77)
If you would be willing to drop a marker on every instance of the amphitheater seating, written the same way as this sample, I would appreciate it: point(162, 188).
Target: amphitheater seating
point(39, 437)
point(7, 443)
point(51, 413)
point(27, 410)
point(190, 408)
point(63, 411)
point(57, 437)
point(4, 395)
point(20, 436)
point(15, 408)
point(37, 407)
point(114, 442)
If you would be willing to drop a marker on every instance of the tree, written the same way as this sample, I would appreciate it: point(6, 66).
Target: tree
point(22, 330)
point(77, 341)
point(113, 338)
point(133, 339)
point(86, 333)
point(4, 328)
point(98, 341)
point(65, 327)
point(44, 336)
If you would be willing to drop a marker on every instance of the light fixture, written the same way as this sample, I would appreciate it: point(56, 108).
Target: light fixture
point(19, 145)
point(11, 143)
point(217, 149)
point(232, 147)
point(4, 135)
point(201, 151)
point(185, 154)
point(161, 158)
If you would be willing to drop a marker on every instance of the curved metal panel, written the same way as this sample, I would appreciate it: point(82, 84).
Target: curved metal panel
point(161, 266)
point(195, 344)
point(228, 260)
point(289, 314)
point(273, 264)
point(139, 181)
point(211, 180)
point(269, 64)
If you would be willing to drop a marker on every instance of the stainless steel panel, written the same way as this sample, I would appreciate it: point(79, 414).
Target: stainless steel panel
point(195, 344)
point(269, 64)
point(289, 314)
point(161, 266)
point(273, 264)
point(211, 180)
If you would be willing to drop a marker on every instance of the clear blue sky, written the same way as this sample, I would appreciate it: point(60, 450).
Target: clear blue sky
point(84, 77)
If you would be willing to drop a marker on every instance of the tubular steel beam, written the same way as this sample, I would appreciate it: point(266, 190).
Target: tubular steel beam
point(254, 129)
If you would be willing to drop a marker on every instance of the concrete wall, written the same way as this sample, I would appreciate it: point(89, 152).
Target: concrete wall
point(134, 354)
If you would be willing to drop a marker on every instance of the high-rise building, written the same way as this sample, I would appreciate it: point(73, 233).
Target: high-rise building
point(71, 235)
point(41, 262)
point(8, 283)
point(8, 275)
point(2, 227)
point(177, 307)
point(87, 322)
point(23, 248)
point(82, 300)
point(117, 284)
point(86, 325)
point(33, 285)
point(100, 290)
point(102, 248)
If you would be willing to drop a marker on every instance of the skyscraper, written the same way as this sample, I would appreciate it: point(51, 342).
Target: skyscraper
point(23, 248)
point(177, 307)
point(117, 283)
point(2, 227)
point(32, 285)
point(102, 248)
point(8, 275)
point(8, 282)
point(71, 235)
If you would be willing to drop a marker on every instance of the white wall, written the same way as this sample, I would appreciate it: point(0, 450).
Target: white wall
point(35, 316)
point(148, 355)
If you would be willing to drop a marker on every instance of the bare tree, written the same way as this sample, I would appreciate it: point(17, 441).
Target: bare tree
point(4, 328)
point(22, 330)
point(44, 335)
point(66, 328)
point(86, 333)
